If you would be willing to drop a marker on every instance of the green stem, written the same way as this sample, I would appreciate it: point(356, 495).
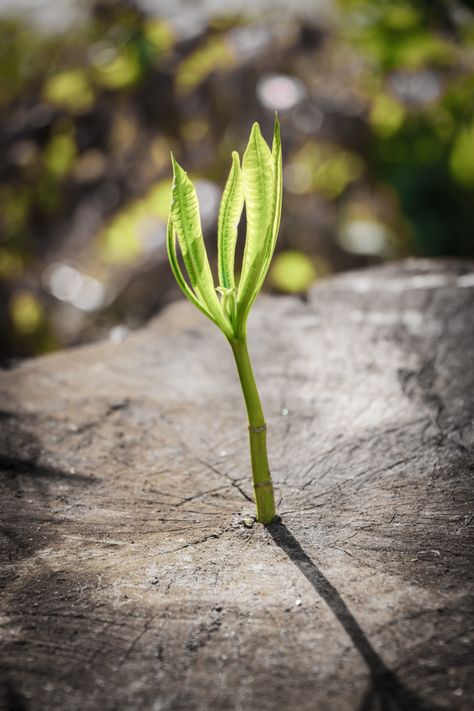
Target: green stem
point(262, 481)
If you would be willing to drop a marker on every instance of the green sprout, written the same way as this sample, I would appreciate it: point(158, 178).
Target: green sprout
point(258, 184)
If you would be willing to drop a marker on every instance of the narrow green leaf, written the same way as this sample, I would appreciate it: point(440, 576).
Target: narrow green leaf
point(277, 202)
point(229, 216)
point(278, 173)
point(178, 275)
point(186, 221)
point(258, 183)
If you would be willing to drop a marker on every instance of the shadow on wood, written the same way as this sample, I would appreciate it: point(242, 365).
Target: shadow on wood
point(386, 691)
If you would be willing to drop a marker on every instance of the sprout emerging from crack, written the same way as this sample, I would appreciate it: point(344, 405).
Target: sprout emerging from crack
point(258, 184)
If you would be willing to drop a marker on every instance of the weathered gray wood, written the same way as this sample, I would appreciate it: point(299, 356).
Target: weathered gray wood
point(129, 581)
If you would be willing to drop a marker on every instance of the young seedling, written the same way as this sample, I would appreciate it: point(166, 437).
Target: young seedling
point(258, 184)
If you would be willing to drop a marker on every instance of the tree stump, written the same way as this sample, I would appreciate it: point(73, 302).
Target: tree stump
point(132, 577)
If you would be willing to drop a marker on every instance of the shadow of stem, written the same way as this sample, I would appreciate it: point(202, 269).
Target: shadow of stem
point(386, 692)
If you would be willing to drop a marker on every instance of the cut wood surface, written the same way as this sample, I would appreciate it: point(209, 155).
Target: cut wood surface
point(131, 576)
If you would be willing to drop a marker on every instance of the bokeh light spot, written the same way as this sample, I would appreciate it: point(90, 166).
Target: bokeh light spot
point(462, 157)
point(70, 90)
point(365, 237)
point(292, 271)
point(280, 93)
point(26, 312)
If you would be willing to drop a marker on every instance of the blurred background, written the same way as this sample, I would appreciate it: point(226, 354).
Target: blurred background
point(376, 101)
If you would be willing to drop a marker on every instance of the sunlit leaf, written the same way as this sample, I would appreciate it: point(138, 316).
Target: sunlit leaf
point(186, 221)
point(259, 185)
point(229, 217)
point(276, 202)
point(258, 182)
point(178, 274)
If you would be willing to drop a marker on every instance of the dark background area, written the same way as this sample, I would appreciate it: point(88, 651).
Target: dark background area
point(376, 104)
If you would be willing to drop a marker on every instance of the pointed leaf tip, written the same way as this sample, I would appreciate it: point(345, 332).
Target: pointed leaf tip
point(255, 131)
point(178, 170)
point(229, 215)
point(174, 163)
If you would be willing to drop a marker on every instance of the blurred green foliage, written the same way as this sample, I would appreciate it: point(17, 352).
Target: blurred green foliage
point(421, 77)
point(378, 128)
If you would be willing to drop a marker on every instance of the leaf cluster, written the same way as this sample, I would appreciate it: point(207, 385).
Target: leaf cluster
point(257, 184)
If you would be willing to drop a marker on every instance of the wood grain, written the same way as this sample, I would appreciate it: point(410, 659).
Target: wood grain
point(129, 580)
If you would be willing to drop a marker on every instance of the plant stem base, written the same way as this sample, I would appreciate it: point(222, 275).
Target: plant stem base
point(262, 481)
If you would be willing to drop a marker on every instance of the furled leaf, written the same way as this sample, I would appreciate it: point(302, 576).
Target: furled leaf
point(258, 183)
point(277, 201)
point(186, 221)
point(178, 274)
point(229, 217)
point(229, 303)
